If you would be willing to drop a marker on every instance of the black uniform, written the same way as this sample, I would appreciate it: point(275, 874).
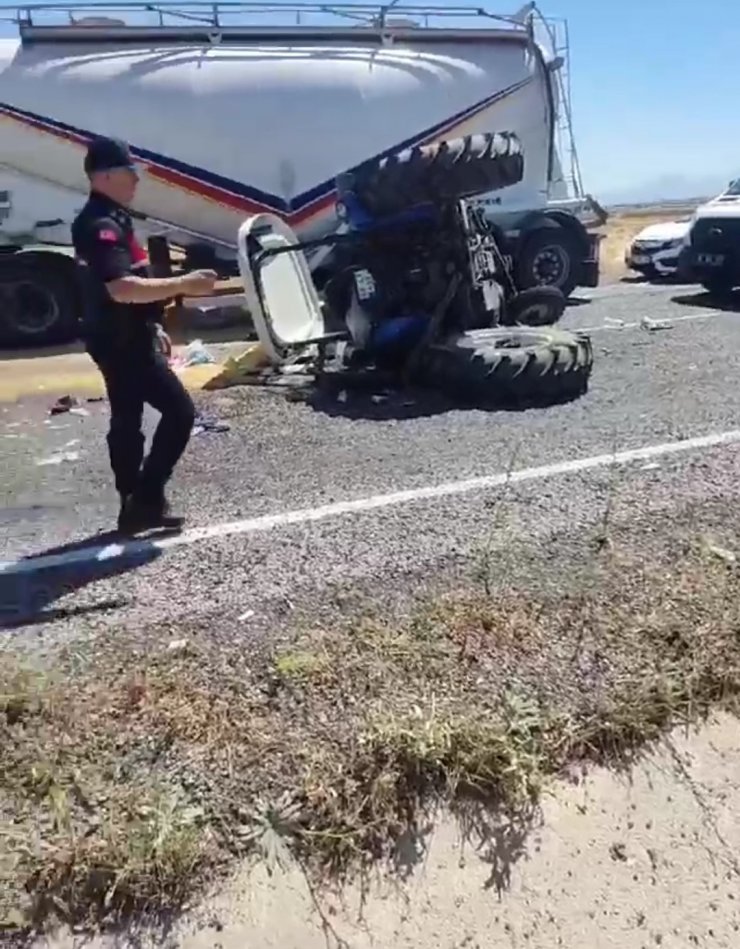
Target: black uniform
point(123, 341)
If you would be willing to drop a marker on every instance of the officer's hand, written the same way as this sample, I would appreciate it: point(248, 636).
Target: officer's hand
point(199, 283)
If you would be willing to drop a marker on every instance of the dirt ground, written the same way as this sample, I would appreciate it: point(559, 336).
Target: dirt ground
point(621, 228)
point(641, 859)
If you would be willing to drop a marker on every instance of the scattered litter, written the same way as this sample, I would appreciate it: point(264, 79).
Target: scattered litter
point(71, 444)
point(248, 614)
point(64, 404)
point(720, 552)
point(650, 466)
point(240, 369)
point(53, 427)
point(204, 423)
point(58, 458)
point(653, 325)
point(178, 645)
point(96, 398)
point(79, 411)
point(13, 425)
point(613, 321)
point(196, 354)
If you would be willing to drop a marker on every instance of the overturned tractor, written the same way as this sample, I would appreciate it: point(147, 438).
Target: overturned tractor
point(419, 287)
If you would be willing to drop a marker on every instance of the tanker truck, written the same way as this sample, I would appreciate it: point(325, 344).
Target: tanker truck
point(233, 109)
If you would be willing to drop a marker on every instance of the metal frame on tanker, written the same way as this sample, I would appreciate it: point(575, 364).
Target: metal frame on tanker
point(547, 234)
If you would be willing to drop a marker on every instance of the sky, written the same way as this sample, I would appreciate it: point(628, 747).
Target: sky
point(656, 93)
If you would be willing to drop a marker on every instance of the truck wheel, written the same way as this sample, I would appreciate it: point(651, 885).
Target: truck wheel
point(550, 257)
point(511, 366)
point(38, 303)
point(443, 171)
point(537, 306)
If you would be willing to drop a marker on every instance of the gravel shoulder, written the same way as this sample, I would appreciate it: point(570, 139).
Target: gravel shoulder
point(318, 684)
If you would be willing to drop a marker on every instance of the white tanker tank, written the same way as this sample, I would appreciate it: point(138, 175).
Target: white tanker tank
point(228, 115)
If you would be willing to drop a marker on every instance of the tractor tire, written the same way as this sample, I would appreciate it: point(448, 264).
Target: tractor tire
point(38, 302)
point(513, 366)
point(550, 257)
point(443, 171)
point(537, 306)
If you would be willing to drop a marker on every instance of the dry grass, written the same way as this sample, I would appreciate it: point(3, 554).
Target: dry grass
point(130, 775)
point(620, 230)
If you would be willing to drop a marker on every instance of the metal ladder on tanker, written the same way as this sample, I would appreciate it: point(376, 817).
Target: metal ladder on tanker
point(222, 19)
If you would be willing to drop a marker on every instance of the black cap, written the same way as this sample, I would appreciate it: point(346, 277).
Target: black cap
point(107, 154)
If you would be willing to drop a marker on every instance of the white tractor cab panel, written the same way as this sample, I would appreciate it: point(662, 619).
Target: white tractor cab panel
point(280, 293)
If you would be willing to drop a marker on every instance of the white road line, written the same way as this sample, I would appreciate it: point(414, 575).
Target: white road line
point(376, 502)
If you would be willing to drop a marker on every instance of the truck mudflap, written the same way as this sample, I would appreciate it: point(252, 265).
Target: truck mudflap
point(590, 263)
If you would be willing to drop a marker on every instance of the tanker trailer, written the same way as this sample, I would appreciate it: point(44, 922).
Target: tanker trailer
point(233, 109)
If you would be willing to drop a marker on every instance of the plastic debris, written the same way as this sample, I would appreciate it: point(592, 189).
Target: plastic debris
point(64, 404)
point(247, 614)
point(240, 369)
point(178, 645)
point(721, 553)
point(205, 423)
point(653, 325)
point(196, 354)
point(78, 410)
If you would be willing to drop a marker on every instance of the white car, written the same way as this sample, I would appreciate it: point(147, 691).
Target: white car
point(654, 251)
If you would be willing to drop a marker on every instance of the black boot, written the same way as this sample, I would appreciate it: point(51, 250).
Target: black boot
point(141, 514)
point(123, 511)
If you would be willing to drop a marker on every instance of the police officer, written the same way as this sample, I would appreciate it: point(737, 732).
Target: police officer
point(124, 334)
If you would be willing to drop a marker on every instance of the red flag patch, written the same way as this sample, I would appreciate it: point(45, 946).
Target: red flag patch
point(108, 235)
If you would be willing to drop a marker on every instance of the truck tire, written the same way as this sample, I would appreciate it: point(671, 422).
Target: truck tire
point(510, 365)
point(537, 306)
point(38, 302)
point(549, 257)
point(443, 171)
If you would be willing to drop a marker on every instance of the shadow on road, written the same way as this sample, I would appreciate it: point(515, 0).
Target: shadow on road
point(668, 280)
point(378, 402)
point(29, 587)
point(729, 303)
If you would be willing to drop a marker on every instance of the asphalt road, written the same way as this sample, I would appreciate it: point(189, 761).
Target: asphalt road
point(651, 387)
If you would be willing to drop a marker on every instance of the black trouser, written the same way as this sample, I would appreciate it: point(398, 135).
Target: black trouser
point(132, 379)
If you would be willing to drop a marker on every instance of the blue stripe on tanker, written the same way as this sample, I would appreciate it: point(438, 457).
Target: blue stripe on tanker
point(228, 187)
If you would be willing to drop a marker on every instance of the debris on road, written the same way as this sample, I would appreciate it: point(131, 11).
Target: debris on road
point(721, 553)
point(178, 646)
point(653, 326)
point(196, 354)
point(206, 423)
point(64, 403)
point(240, 369)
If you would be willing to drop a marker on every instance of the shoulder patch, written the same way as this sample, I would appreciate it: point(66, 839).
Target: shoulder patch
point(108, 235)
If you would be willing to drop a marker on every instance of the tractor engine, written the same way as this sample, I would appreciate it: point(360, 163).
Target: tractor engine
point(393, 275)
